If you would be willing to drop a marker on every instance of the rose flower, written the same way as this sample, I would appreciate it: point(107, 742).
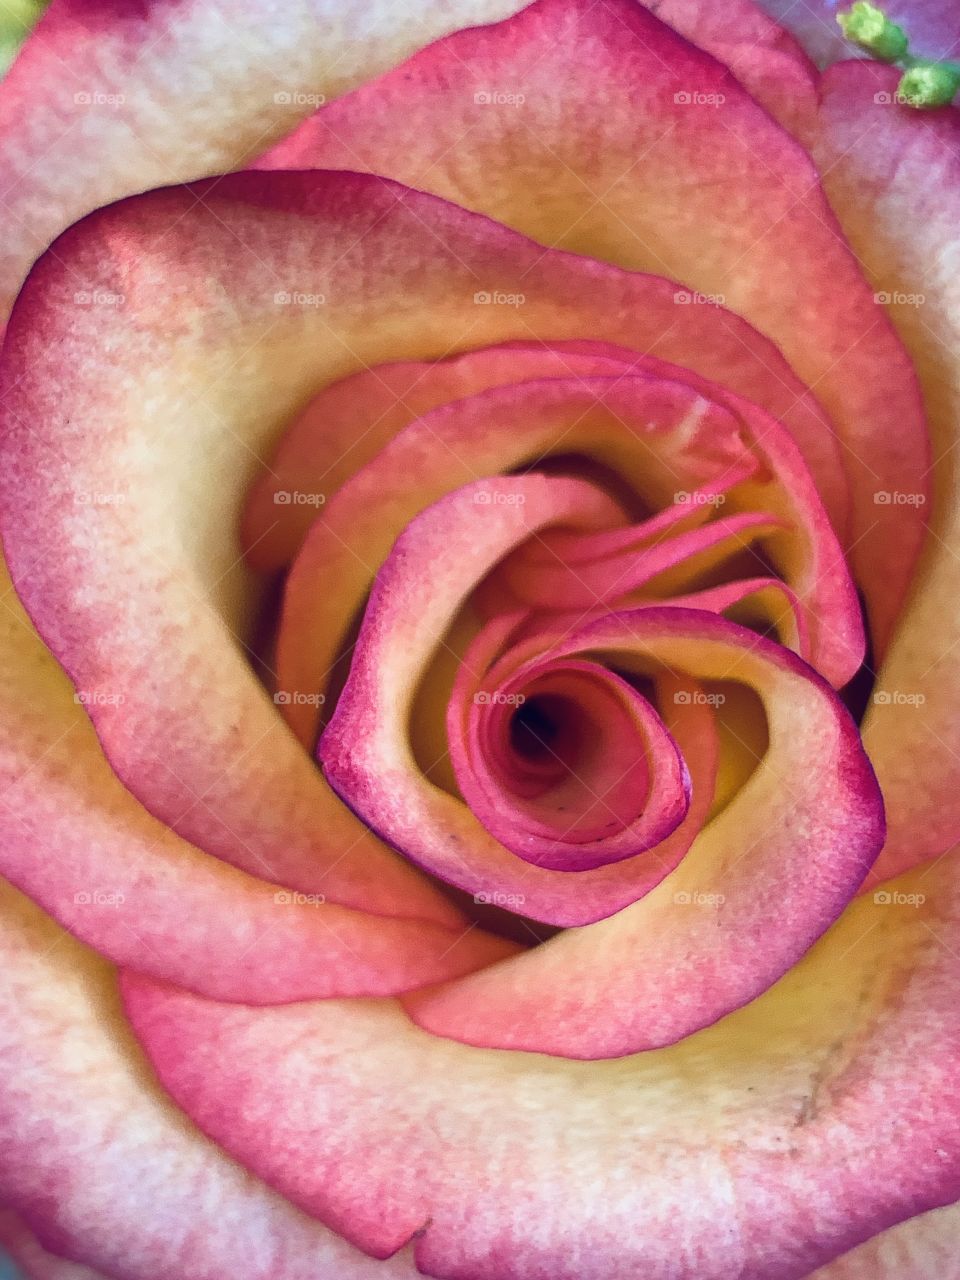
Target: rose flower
point(481, 686)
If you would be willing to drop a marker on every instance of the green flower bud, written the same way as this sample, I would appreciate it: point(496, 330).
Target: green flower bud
point(869, 27)
point(930, 84)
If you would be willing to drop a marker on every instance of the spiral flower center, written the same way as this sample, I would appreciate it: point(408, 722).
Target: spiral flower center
point(569, 766)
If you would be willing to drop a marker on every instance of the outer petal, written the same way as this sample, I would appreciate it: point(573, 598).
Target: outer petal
point(894, 176)
point(109, 98)
point(653, 156)
point(751, 1149)
point(79, 844)
point(761, 54)
point(140, 591)
point(96, 1159)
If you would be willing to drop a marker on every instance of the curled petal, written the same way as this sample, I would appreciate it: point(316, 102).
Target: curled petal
point(365, 750)
point(592, 776)
point(658, 434)
point(663, 437)
point(766, 604)
point(542, 584)
point(367, 757)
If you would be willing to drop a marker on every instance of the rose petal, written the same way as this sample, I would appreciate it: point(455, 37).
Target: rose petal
point(765, 604)
point(655, 157)
point(686, 554)
point(622, 788)
point(105, 100)
point(98, 1161)
point(685, 712)
point(656, 434)
point(752, 1148)
point(81, 846)
point(894, 176)
point(761, 54)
